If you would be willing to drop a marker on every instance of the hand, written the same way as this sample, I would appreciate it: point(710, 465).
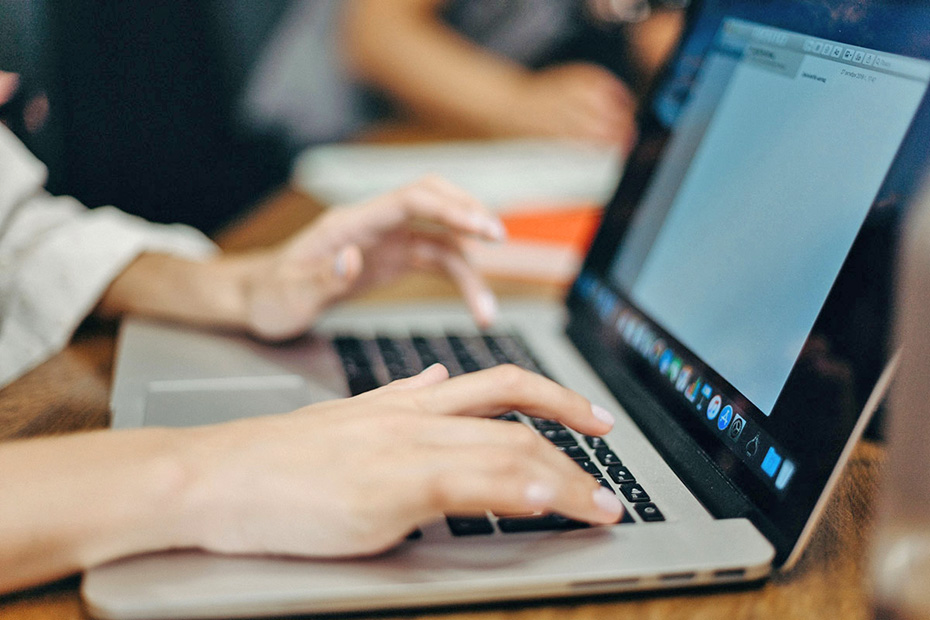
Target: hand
point(353, 477)
point(579, 101)
point(353, 248)
point(277, 293)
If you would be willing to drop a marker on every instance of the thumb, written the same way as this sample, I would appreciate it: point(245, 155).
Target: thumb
point(285, 308)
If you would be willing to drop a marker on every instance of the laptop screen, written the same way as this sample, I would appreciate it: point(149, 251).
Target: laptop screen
point(752, 235)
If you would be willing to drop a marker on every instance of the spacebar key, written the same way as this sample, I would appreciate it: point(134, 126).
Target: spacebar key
point(544, 523)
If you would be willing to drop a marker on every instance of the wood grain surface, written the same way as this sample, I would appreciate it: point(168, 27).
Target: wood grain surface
point(69, 393)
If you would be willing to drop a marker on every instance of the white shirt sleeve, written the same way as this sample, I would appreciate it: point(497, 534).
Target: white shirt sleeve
point(57, 258)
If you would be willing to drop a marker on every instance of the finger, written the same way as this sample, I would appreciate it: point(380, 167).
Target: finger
point(450, 259)
point(451, 431)
point(284, 304)
point(486, 223)
point(437, 373)
point(436, 202)
point(515, 480)
point(492, 392)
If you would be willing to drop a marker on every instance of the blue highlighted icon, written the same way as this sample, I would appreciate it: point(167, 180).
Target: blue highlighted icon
point(784, 476)
point(725, 416)
point(771, 462)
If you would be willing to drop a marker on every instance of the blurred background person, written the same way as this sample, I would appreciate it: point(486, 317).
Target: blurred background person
point(554, 68)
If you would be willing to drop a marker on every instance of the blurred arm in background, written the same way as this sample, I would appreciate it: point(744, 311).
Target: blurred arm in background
point(407, 49)
point(558, 68)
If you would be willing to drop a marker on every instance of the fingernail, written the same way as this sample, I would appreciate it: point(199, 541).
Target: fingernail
point(478, 222)
point(607, 501)
point(539, 494)
point(603, 415)
point(496, 230)
point(487, 225)
point(430, 367)
point(487, 306)
point(341, 266)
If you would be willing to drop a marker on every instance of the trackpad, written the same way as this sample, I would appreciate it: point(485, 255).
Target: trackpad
point(208, 401)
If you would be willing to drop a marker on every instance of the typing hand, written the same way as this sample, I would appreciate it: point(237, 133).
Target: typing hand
point(352, 248)
point(353, 477)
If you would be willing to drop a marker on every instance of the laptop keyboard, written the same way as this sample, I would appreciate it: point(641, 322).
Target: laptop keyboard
point(371, 362)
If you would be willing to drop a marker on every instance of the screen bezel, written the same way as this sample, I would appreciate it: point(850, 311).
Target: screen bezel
point(887, 27)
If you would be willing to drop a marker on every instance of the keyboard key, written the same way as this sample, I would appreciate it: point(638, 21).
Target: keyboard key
point(510, 525)
point(355, 362)
point(423, 348)
point(394, 359)
point(620, 474)
point(604, 483)
point(560, 437)
point(573, 452)
point(607, 457)
point(596, 443)
point(514, 351)
point(495, 349)
point(634, 492)
point(545, 425)
point(589, 467)
point(649, 512)
point(470, 526)
point(508, 417)
point(463, 355)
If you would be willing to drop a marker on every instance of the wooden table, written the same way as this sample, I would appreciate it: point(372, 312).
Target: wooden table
point(70, 392)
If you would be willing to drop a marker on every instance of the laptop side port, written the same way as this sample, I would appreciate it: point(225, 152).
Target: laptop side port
point(607, 585)
point(730, 573)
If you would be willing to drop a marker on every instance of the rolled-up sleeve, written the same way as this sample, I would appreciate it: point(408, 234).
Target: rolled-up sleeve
point(57, 258)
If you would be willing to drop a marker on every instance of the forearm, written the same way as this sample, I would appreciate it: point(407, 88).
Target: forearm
point(404, 48)
point(73, 502)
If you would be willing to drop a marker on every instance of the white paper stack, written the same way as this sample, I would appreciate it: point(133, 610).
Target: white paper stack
point(501, 173)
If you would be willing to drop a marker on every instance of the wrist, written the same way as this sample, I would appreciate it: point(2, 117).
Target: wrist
point(213, 495)
point(149, 505)
point(212, 293)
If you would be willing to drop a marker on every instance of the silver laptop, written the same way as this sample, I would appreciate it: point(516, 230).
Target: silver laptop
point(732, 311)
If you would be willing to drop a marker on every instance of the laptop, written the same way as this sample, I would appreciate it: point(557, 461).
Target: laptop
point(732, 312)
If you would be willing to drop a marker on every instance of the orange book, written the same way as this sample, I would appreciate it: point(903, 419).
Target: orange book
point(570, 226)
